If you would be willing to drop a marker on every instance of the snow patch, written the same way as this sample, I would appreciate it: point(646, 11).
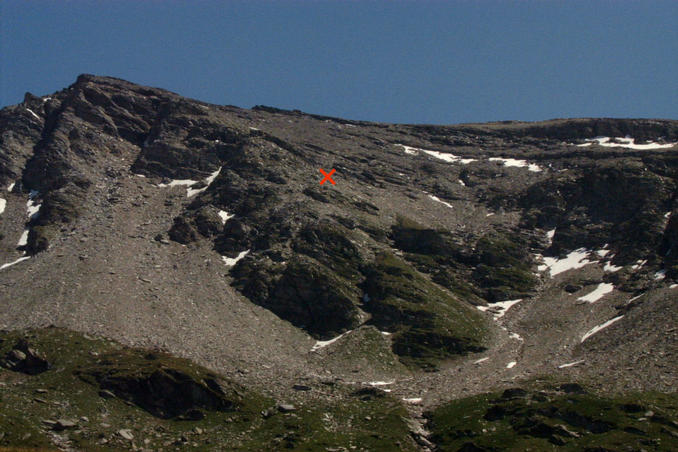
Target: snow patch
point(661, 274)
point(511, 364)
point(23, 240)
point(563, 366)
point(517, 163)
point(190, 182)
point(596, 329)
point(461, 182)
point(450, 158)
point(21, 259)
point(33, 113)
point(178, 182)
point(436, 199)
point(381, 383)
point(576, 259)
point(225, 216)
point(413, 400)
point(635, 298)
point(231, 261)
point(626, 142)
point(516, 336)
point(550, 234)
point(321, 344)
point(409, 150)
point(3, 203)
point(608, 267)
point(500, 308)
point(639, 264)
point(598, 293)
point(11, 186)
point(673, 286)
point(481, 360)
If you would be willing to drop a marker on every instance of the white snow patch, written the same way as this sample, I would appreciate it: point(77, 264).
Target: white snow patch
point(436, 199)
point(511, 364)
point(635, 298)
point(602, 253)
point(231, 261)
point(500, 308)
point(608, 267)
point(626, 142)
point(481, 360)
point(461, 182)
point(225, 216)
point(23, 240)
point(667, 215)
point(576, 259)
point(598, 293)
point(11, 186)
point(673, 286)
point(381, 383)
point(413, 400)
point(517, 163)
point(550, 234)
point(563, 366)
point(208, 181)
point(516, 336)
point(639, 264)
point(3, 266)
point(385, 333)
point(3, 203)
point(33, 113)
point(450, 158)
point(321, 344)
point(143, 176)
point(32, 208)
point(596, 329)
point(489, 214)
point(409, 150)
point(178, 182)
point(661, 274)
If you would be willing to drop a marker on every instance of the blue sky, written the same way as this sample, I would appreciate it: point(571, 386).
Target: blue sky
point(392, 61)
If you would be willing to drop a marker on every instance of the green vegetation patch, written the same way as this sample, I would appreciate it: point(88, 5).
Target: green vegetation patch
point(428, 323)
point(503, 267)
point(88, 400)
point(557, 418)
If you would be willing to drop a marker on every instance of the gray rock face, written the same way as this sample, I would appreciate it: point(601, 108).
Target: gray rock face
point(425, 225)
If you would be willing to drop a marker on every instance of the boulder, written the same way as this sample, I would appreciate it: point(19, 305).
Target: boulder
point(25, 359)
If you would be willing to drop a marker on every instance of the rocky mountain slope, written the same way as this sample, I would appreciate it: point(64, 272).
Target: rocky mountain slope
point(444, 262)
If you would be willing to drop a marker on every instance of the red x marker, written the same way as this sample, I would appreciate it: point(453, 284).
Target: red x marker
point(327, 176)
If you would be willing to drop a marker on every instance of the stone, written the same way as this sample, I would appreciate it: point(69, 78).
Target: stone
point(286, 408)
point(63, 424)
point(25, 359)
point(126, 434)
point(299, 387)
point(106, 394)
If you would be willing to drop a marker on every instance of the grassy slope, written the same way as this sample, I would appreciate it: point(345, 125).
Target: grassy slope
point(374, 423)
point(552, 419)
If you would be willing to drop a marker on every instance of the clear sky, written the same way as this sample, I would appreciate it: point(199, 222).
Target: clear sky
point(393, 61)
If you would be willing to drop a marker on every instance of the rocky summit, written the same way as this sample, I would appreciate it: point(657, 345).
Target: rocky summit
point(174, 276)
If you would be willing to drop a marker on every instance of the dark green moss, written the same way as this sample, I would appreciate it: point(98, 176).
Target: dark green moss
point(430, 324)
point(557, 418)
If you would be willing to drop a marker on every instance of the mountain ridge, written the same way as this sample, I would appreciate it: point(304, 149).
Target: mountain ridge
point(158, 221)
